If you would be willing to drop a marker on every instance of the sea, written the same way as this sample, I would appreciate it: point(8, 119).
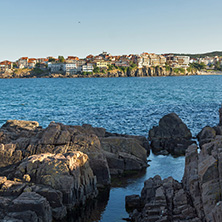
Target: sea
point(130, 105)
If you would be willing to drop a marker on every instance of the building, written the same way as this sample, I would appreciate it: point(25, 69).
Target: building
point(102, 64)
point(5, 66)
point(122, 64)
point(55, 67)
point(31, 63)
point(23, 62)
point(70, 68)
point(87, 68)
point(178, 61)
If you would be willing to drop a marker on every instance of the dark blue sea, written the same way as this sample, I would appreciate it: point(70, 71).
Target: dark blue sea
point(121, 105)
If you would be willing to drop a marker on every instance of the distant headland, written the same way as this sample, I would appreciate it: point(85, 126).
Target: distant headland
point(107, 65)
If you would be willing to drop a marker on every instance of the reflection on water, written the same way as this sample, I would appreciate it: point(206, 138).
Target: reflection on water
point(110, 204)
point(92, 210)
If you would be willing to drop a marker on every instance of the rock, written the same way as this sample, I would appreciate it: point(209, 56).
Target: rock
point(164, 200)
point(171, 135)
point(197, 198)
point(69, 173)
point(16, 125)
point(206, 135)
point(124, 154)
point(9, 155)
point(31, 201)
point(55, 199)
point(24, 216)
point(220, 116)
point(132, 202)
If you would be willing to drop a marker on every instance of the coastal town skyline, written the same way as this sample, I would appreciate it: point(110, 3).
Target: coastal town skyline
point(128, 27)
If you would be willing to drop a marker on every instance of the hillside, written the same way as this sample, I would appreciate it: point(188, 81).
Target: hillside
point(210, 54)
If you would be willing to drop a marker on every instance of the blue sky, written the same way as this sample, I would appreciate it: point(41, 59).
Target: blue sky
point(51, 27)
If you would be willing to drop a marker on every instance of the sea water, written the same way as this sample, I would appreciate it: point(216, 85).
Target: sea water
point(121, 105)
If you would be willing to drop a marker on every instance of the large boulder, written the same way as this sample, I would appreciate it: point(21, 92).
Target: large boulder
point(69, 173)
point(206, 135)
point(124, 154)
point(32, 205)
point(171, 136)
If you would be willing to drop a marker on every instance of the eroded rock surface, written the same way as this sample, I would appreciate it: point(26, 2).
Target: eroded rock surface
point(197, 198)
point(60, 167)
point(170, 136)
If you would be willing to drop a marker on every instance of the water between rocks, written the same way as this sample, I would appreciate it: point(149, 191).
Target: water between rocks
point(122, 105)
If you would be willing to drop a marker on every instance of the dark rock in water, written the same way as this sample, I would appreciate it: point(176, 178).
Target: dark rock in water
point(164, 200)
point(31, 204)
point(124, 154)
point(197, 198)
point(132, 202)
point(171, 135)
point(220, 116)
point(206, 135)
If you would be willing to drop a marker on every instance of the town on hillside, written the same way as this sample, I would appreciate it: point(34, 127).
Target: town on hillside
point(105, 62)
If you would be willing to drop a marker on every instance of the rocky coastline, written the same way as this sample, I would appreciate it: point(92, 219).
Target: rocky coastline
point(49, 173)
point(197, 198)
point(45, 173)
point(144, 72)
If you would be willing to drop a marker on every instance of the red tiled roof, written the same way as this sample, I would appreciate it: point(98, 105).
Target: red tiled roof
point(24, 58)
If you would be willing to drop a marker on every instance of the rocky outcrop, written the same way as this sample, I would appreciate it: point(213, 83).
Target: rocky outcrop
point(164, 201)
point(208, 134)
point(197, 198)
point(170, 136)
point(60, 167)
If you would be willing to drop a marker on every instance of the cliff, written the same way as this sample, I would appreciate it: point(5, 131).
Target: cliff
point(146, 71)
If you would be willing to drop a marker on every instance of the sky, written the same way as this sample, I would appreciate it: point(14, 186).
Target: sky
point(41, 28)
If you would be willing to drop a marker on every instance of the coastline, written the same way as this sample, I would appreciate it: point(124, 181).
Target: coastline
point(145, 72)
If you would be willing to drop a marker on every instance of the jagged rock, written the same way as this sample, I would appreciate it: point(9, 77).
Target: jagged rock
point(24, 216)
point(55, 199)
point(133, 202)
point(171, 135)
point(124, 154)
point(31, 201)
point(9, 155)
point(220, 116)
point(16, 125)
point(69, 173)
point(206, 135)
point(197, 198)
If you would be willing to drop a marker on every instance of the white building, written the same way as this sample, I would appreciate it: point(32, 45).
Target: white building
point(70, 68)
point(87, 68)
point(55, 67)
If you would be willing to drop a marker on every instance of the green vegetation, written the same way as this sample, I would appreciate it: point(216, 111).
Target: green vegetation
point(51, 60)
point(111, 67)
point(14, 66)
point(87, 73)
point(61, 59)
point(38, 71)
point(167, 67)
point(179, 70)
point(198, 66)
point(218, 66)
point(96, 69)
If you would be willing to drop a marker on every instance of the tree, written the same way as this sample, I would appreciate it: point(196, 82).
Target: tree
point(51, 60)
point(96, 69)
point(217, 66)
point(61, 59)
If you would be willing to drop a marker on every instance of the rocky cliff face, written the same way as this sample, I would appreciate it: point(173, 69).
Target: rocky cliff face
point(197, 198)
point(45, 172)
